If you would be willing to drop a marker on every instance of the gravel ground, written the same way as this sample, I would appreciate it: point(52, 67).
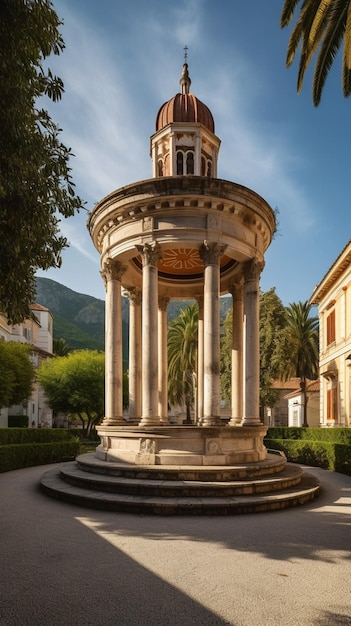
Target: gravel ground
point(63, 565)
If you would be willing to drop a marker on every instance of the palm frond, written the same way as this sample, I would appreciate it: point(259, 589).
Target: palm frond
point(330, 45)
point(288, 12)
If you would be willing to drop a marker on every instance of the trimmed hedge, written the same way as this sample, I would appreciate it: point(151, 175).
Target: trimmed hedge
point(318, 447)
point(26, 455)
point(336, 435)
point(35, 435)
point(25, 447)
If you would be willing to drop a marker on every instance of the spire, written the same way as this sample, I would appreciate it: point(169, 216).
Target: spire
point(185, 80)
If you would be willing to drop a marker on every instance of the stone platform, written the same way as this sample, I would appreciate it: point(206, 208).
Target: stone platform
point(187, 445)
point(266, 485)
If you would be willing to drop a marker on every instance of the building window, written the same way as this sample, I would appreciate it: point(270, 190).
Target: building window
point(331, 403)
point(331, 327)
point(160, 168)
point(203, 166)
point(180, 159)
point(190, 163)
point(209, 169)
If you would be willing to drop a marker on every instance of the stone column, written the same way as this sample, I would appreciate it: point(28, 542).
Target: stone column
point(162, 360)
point(211, 254)
point(237, 355)
point(200, 362)
point(150, 254)
point(111, 273)
point(252, 271)
point(134, 412)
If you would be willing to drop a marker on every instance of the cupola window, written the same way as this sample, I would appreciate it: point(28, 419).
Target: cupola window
point(180, 159)
point(160, 168)
point(190, 162)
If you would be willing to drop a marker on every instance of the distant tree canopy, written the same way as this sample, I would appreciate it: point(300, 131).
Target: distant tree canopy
point(36, 188)
point(16, 373)
point(288, 346)
point(272, 321)
point(321, 28)
point(74, 384)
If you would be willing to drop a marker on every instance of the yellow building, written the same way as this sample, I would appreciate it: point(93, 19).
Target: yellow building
point(333, 297)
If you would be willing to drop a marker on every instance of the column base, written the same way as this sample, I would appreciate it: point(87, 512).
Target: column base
point(251, 421)
point(213, 420)
point(150, 421)
point(113, 421)
point(235, 421)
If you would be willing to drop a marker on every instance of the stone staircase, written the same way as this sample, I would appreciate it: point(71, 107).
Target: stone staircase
point(267, 485)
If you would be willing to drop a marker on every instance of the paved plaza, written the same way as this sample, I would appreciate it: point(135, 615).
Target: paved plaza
point(63, 565)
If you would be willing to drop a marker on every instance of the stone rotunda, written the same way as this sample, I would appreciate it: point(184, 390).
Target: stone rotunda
point(183, 234)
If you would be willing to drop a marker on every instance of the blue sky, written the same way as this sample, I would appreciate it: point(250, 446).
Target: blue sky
point(123, 60)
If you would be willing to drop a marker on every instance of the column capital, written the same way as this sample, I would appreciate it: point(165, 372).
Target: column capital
point(236, 290)
point(150, 253)
point(163, 303)
point(112, 270)
point(211, 253)
point(252, 269)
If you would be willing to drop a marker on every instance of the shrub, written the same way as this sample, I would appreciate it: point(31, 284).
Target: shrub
point(26, 455)
point(35, 435)
point(324, 454)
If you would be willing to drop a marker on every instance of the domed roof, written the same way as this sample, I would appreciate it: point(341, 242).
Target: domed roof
point(184, 107)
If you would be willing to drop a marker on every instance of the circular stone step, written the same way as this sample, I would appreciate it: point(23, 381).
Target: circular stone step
point(53, 485)
point(72, 474)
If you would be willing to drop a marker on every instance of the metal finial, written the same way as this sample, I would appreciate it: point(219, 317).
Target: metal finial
point(185, 54)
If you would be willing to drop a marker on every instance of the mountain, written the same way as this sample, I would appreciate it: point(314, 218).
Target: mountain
point(80, 319)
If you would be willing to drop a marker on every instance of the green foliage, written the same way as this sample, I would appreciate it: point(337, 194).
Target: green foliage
point(60, 347)
point(226, 357)
point(329, 448)
point(78, 319)
point(36, 188)
point(272, 324)
point(74, 384)
point(182, 346)
point(321, 29)
point(16, 373)
point(17, 421)
point(337, 435)
point(36, 435)
point(314, 453)
point(26, 455)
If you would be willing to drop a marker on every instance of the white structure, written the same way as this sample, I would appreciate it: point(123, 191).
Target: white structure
point(296, 407)
point(182, 234)
point(38, 333)
point(333, 297)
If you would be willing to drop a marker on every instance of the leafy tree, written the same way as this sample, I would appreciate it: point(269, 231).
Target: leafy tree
point(182, 346)
point(298, 347)
point(16, 373)
point(226, 357)
point(272, 322)
point(321, 28)
point(74, 384)
point(36, 188)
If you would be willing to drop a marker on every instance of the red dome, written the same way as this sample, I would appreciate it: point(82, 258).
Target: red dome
point(184, 107)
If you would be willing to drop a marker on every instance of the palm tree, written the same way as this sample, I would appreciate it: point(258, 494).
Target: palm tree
point(299, 347)
point(321, 28)
point(182, 358)
point(60, 347)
